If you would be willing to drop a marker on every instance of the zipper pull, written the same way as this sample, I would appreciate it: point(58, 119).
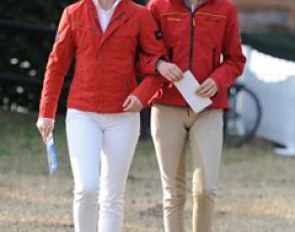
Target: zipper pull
point(194, 22)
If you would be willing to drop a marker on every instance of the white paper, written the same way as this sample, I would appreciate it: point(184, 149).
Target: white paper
point(187, 87)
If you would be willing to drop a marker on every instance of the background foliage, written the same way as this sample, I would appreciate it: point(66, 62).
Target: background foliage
point(27, 29)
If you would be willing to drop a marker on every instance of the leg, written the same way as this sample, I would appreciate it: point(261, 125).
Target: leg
point(84, 141)
point(119, 141)
point(169, 136)
point(205, 140)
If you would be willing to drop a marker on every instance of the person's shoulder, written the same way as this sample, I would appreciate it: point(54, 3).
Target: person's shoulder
point(136, 6)
point(76, 6)
point(226, 3)
point(159, 3)
point(227, 6)
point(159, 6)
point(139, 9)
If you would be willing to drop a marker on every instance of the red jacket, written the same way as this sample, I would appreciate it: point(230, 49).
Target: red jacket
point(197, 41)
point(104, 62)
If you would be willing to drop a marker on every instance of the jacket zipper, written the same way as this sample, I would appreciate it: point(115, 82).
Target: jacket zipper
point(191, 52)
point(192, 35)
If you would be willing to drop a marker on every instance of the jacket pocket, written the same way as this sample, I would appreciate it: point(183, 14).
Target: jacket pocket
point(85, 36)
point(122, 44)
point(80, 28)
point(129, 30)
point(172, 29)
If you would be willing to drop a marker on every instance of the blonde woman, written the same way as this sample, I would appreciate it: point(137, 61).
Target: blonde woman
point(102, 120)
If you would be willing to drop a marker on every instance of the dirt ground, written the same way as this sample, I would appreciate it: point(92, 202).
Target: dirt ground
point(256, 193)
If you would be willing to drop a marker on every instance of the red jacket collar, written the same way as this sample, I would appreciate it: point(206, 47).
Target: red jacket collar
point(120, 16)
point(124, 2)
point(122, 10)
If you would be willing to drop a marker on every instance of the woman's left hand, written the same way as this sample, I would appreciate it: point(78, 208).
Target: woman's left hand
point(208, 88)
point(132, 104)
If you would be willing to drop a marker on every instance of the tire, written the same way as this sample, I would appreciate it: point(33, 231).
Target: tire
point(243, 118)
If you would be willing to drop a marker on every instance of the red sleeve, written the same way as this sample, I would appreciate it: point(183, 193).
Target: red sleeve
point(153, 9)
point(148, 88)
point(57, 67)
point(234, 60)
point(151, 50)
point(150, 43)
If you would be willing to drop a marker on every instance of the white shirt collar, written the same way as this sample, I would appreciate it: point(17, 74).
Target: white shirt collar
point(116, 3)
point(105, 16)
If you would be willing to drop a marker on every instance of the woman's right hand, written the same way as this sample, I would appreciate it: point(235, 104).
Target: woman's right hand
point(45, 127)
point(169, 70)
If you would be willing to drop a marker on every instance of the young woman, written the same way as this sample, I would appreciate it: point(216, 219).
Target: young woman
point(197, 33)
point(102, 120)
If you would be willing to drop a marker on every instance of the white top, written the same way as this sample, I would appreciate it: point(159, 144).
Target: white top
point(105, 15)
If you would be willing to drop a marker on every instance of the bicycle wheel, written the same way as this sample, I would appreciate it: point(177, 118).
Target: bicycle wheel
point(242, 119)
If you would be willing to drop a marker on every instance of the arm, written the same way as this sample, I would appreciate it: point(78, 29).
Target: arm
point(57, 67)
point(153, 58)
point(151, 45)
point(234, 60)
point(58, 64)
point(151, 51)
point(154, 11)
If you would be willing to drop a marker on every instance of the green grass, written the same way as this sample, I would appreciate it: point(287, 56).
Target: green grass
point(21, 142)
point(20, 139)
point(256, 187)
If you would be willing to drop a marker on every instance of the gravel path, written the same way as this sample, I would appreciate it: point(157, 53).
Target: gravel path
point(256, 194)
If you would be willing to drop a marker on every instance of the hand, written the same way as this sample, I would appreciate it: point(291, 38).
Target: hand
point(208, 88)
point(132, 104)
point(45, 127)
point(170, 71)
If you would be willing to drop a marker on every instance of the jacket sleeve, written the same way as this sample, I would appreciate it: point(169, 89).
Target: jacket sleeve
point(151, 50)
point(152, 6)
point(151, 43)
point(57, 67)
point(233, 58)
point(150, 85)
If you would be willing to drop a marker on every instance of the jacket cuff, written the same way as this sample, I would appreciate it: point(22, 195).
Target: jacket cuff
point(215, 77)
point(148, 88)
point(154, 65)
point(218, 86)
point(47, 110)
point(144, 95)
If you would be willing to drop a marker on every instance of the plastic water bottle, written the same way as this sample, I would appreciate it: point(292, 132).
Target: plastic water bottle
point(51, 155)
